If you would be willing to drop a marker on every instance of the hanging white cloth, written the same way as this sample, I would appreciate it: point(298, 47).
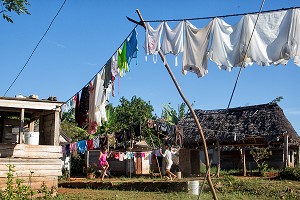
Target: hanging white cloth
point(98, 100)
point(270, 39)
point(172, 40)
point(152, 40)
point(94, 90)
point(114, 66)
point(229, 43)
point(195, 49)
point(294, 37)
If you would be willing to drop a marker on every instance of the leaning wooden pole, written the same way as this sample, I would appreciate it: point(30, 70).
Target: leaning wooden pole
point(200, 131)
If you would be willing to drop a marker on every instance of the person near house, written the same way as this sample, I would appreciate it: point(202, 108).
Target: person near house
point(103, 161)
point(168, 158)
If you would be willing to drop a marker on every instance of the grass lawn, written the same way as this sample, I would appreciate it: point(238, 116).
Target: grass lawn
point(227, 188)
point(89, 194)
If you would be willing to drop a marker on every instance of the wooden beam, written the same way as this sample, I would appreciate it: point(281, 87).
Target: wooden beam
point(31, 148)
point(218, 159)
point(244, 161)
point(42, 105)
point(56, 128)
point(286, 150)
point(21, 132)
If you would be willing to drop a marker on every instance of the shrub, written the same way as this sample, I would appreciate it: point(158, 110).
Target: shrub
point(290, 173)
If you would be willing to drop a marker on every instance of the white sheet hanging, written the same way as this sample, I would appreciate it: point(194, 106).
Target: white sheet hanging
point(98, 100)
point(195, 49)
point(294, 37)
point(152, 40)
point(172, 40)
point(229, 43)
point(270, 39)
point(96, 90)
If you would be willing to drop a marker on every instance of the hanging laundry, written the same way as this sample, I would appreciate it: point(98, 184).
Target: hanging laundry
point(122, 157)
point(103, 140)
point(131, 47)
point(122, 61)
point(274, 39)
point(172, 40)
point(73, 101)
point(111, 140)
point(108, 73)
point(117, 155)
point(294, 38)
point(114, 72)
point(128, 155)
point(150, 123)
point(229, 43)
point(99, 97)
point(96, 91)
point(152, 40)
point(68, 149)
point(195, 49)
point(84, 106)
point(114, 66)
point(77, 108)
point(96, 142)
point(90, 144)
point(82, 146)
point(179, 135)
point(73, 147)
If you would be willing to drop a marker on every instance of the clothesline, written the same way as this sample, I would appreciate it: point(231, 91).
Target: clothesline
point(220, 16)
point(102, 66)
point(275, 41)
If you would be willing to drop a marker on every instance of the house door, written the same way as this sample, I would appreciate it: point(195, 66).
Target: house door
point(138, 165)
point(195, 162)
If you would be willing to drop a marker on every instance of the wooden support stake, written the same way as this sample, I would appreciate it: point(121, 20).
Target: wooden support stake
point(244, 161)
point(200, 131)
point(156, 157)
point(286, 150)
point(21, 131)
point(218, 159)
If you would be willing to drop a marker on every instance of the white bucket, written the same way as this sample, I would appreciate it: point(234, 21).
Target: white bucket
point(193, 187)
point(178, 174)
point(32, 138)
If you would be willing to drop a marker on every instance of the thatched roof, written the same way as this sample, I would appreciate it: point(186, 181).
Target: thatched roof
point(259, 124)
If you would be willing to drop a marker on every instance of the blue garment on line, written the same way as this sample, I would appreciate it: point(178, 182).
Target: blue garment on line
point(131, 47)
point(82, 146)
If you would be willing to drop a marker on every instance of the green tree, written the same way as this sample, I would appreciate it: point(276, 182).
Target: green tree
point(171, 116)
point(131, 114)
point(69, 126)
point(17, 6)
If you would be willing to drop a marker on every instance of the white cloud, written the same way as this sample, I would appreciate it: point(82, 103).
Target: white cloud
point(293, 112)
point(59, 45)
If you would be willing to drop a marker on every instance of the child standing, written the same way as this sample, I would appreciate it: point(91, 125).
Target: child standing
point(103, 161)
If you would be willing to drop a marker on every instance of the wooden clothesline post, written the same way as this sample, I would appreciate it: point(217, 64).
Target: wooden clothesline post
point(200, 131)
point(156, 157)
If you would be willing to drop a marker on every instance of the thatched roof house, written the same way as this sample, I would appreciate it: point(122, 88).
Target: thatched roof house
point(258, 124)
point(231, 134)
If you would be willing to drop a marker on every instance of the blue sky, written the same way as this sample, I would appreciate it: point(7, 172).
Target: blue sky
point(87, 32)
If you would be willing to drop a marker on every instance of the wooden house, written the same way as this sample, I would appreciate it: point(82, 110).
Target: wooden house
point(231, 134)
point(35, 161)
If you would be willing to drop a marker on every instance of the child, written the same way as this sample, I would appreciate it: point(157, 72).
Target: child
point(103, 162)
point(168, 157)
